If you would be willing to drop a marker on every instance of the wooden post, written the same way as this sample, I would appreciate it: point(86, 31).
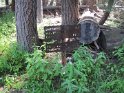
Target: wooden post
point(63, 57)
point(7, 2)
point(63, 46)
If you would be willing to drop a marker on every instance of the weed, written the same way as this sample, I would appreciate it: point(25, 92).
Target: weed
point(86, 75)
point(12, 60)
point(41, 73)
point(119, 53)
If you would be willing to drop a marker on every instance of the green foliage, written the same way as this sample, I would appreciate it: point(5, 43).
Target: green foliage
point(7, 24)
point(84, 75)
point(119, 53)
point(12, 60)
point(88, 74)
point(41, 74)
point(13, 82)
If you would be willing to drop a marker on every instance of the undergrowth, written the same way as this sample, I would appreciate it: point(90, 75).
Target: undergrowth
point(85, 75)
point(35, 73)
point(7, 24)
point(12, 61)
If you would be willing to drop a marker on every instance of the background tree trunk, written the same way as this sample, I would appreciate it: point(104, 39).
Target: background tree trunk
point(26, 27)
point(51, 2)
point(70, 15)
point(70, 12)
point(45, 2)
point(7, 2)
point(58, 2)
point(39, 11)
point(91, 4)
point(13, 5)
point(107, 12)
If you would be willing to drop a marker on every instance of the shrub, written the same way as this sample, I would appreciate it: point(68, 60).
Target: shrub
point(41, 74)
point(12, 60)
point(119, 53)
point(88, 74)
point(85, 74)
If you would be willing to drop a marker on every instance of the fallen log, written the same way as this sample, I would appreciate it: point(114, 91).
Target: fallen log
point(59, 7)
point(114, 36)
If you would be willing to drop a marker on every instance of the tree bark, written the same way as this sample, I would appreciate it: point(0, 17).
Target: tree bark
point(13, 5)
point(45, 2)
point(70, 12)
point(70, 15)
point(39, 11)
point(7, 2)
point(91, 4)
point(104, 18)
point(51, 2)
point(26, 27)
point(107, 12)
point(58, 2)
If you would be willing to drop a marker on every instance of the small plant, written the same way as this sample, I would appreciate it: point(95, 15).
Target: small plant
point(83, 75)
point(12, 60)
point(13, 82)
point(119, 53)
point(41, 74)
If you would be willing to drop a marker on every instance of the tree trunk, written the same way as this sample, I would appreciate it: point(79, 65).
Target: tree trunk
point(102, 39)
point(13, 5)
point(58, 2)
point(101, 1)
point(26, 27)
point(45, 2)
point(104, 18)
point(107, 12)
point(70, 12)
point(91, 4)
point(39, 11)
point(7, 2)
point(51, 2)
point(84, 2)
point(70, 15)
